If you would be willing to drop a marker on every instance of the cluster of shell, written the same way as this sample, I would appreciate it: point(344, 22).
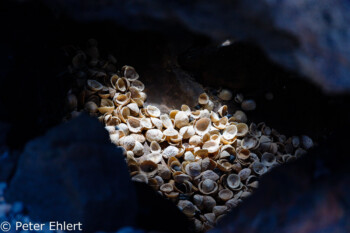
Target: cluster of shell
point(205, 161)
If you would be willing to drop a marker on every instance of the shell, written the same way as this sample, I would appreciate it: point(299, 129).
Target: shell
point(164, 171)
point(170, 151)
point(155, 147)
point(225, 194)
point(181, 119)
point(94, 85)
point(225, 95)
point(259, 168)
point(214, 117)
point(252, 182)
point(167, 188)
point(295, 141)
point(135, 93)
point(204, 114)
point(138, 148)
point(209, 174)
point(230, 132)
point(157, 123)
point(221, 124)
point(242, 129)
point(233, 181)
point(189, 156)
point(154, 157)
point(142, 178)
point(130, 73)
point(185, 108)
point(195, 140)
point(249, 143)
point(124, 128)
point(239, 98)
point(187, 132)
point(211, 146)
point(187, 208)
point(171, 132)
point(146, 123)
point(224, 165)
point(248, 105)
point(208, 187)
point(196, 114)
point(268, 159)
point(113, 80)
point(107, 106)
point(143, 96)
point(223, 111)
point(244, 173)
point(240, 116)
point(104, 93)
point(138, 85)
point(90, 107)
point(203, 99)
point(180, 177)
point(153, 111)
point(306, 142)
point(134, 109)
point(134, 124)
point(202, 126)
point(193, 169)
point(123, 114)
point(129, 143)
point(205, 203)
point(166, 121)
point(202, 153)
point(209, 106)
point(122, 99)
point(154, 135)
point(122, 84)
point(227, 151)
point(243, 154)
point(219, 210)
point(149, 168)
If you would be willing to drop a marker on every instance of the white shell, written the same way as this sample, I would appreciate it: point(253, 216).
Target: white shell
point(170, 132)
point(134, 124)
point(202, 126)
point(154, 157)
point(146, 123)
point(170, 151)
point(153, 111)
point(166, 121)
point(187, 132)
point(230, 132)
point(189, 156)
point(129, 143)
point(155, 147)
point(154, 135)
point(157, 123)
point(181, 119)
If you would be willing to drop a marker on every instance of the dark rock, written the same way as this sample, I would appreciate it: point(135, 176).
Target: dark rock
point(158, 214)
point(308, 36)
point(75, 174)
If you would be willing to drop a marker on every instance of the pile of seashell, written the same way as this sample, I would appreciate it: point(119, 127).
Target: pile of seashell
point(205, 161)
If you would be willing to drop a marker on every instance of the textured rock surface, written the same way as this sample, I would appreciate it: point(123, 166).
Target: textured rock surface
point(308, 36)
point(74, 174)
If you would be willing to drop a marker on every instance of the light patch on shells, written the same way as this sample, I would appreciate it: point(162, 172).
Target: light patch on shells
point(170, 151)
point(207, 156)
